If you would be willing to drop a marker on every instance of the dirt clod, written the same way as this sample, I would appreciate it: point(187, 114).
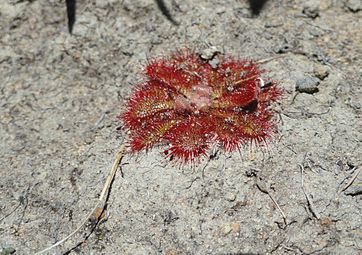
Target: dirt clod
point(307, 85)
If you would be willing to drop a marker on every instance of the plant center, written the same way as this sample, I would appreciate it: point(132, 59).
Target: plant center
point(198, 98)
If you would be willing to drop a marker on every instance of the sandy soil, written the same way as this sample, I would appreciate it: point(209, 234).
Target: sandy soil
point(60, 95)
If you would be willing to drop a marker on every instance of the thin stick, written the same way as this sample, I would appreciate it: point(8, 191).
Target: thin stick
point(279, 208)
point(352, 179)
point(265, 190)
point(117, 161)
point(247, 79)
point(266, 60)
point(310, 202)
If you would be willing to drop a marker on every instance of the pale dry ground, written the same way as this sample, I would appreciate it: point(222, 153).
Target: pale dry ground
point(60, 95)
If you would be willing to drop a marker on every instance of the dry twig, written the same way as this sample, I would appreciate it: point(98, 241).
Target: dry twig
point(117, 160)
point(266, 60)
point(264, 189)
point(359, 169)
point(309, 200)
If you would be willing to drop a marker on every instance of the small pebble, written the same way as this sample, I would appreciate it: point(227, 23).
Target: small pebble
point(325, 221)
point(235, 227)
point(307, 85)
point(354, 5)
point(171, 252)
point(311, 9)
point(320, 71)
point(7, 251)
point(209, 53)
point(226, 229)
point(354, 191)
point(230, 197)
